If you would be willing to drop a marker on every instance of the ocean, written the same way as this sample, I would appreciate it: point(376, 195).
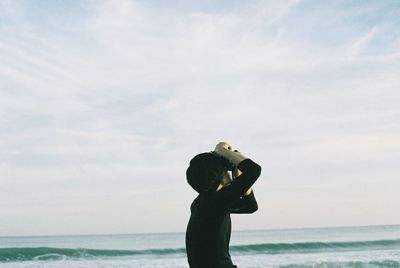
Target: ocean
point(367, 246)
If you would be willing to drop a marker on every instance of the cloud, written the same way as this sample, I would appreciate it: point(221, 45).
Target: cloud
point(364, 40)
point(111, 99)
point(11, 9)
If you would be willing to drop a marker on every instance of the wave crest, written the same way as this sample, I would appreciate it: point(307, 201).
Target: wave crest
point(47, 253)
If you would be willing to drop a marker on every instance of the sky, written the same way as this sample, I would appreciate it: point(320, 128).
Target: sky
point(104, 103)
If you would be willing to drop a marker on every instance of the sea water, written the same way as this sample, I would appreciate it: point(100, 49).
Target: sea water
point(369, 246)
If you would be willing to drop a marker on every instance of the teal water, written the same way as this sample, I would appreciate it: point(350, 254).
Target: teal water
point(370, 246)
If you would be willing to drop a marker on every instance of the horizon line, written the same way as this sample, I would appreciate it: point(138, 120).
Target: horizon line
point(182, 232)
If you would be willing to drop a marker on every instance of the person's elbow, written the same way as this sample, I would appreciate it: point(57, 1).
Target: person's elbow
point(253, 209)
point(251, 168)
point(256, 170)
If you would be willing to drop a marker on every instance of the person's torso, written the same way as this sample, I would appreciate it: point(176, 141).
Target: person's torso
point(208, 235)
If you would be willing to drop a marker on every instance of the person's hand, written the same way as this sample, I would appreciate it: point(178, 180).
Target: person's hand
point(236, 173)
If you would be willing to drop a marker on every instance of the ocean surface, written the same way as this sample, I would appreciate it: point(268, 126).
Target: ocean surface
point(370, 246)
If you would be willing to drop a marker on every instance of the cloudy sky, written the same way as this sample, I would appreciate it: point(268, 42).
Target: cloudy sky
point(103, 104)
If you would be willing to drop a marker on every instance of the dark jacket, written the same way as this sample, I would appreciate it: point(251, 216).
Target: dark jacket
point(209, 229)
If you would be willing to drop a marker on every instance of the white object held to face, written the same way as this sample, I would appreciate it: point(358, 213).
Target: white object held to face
point(224, 149)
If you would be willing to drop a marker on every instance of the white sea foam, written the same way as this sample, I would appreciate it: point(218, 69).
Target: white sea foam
point(50, 257)
point(365, 259)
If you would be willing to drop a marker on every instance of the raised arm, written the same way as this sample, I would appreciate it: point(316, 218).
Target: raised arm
point(245, 205)
point(225, 198)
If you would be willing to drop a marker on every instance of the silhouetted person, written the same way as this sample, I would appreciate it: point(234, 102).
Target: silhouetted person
point(209, 228)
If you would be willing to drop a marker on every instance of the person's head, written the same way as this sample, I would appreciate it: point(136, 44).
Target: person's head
point(206, 171)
